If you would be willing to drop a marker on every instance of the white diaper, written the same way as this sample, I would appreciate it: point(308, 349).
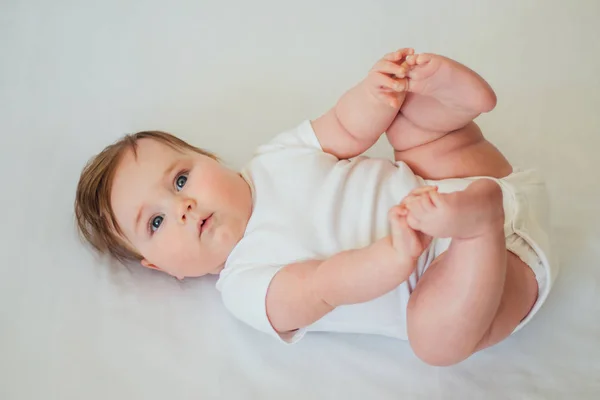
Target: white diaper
point(526, 227)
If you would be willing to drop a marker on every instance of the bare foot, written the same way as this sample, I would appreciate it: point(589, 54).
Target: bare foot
point(408, 243)
point(466, 214)
point(448, 81)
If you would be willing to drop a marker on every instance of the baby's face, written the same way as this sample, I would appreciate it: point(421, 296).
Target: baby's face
point(182, 211)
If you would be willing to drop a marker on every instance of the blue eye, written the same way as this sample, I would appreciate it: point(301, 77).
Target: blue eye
point(155, 223)
point(180, 181)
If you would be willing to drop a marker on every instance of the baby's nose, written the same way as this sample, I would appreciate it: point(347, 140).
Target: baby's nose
point(188, 209)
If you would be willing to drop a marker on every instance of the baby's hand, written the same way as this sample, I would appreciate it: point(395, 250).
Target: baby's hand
point(387, 81)
point(408, 243)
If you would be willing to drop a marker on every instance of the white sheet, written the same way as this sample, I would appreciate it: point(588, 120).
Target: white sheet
point(74, 77)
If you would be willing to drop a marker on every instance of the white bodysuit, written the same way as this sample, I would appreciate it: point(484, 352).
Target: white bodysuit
point(309, 205)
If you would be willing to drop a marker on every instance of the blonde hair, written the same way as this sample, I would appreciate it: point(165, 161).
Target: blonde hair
point(95, 218)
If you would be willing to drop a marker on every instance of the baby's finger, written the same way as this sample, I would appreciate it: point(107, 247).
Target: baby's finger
point(413, 221)
point(402, 210)
point(407, 200)
point(391, 68)
point(393, 56)
point(384, 81)
point(396, 211)
point(399, 54)
point(421, 190)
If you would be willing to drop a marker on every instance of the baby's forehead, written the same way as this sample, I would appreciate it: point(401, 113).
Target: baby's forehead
point(148, 159)
point(154, 147)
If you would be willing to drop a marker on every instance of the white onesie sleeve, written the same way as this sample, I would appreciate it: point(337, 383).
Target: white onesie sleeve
point(302, 136)
point(244, 292)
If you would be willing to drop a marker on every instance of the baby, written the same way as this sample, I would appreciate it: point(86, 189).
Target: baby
point(446, 247)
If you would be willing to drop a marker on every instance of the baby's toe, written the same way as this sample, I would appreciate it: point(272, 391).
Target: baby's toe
point(422, 205)
point(436, 198)
point(423, 58)
point(411, 60)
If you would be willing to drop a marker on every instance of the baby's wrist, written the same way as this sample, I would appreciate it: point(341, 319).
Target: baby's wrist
point(398, 259)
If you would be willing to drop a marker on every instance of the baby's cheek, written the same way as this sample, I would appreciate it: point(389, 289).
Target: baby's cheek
point(167, 251)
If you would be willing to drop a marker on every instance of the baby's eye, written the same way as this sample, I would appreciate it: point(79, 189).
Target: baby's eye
point(155, 223)
point(180, 181)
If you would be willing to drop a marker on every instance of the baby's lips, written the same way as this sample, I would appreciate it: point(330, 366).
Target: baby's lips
point(202, 223)
point(199, 224)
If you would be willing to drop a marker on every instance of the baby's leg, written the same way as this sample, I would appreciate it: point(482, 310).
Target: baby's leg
point(443, 97)
point(476, 293)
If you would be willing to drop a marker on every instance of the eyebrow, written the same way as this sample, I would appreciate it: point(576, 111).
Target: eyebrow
point(136, 227)
point(168, 172)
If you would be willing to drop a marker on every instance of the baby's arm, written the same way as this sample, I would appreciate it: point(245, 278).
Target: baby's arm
point(302, 293)
point(364, 112)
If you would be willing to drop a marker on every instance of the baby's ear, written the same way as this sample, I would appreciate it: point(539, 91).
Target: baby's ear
point(147, 264)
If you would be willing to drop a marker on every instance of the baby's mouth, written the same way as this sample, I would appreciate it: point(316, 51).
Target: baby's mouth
point(204, 224)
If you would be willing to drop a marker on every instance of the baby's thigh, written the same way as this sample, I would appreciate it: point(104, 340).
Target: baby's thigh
point(459, 154)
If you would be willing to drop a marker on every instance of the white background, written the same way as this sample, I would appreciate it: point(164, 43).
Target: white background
point(76, 75)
